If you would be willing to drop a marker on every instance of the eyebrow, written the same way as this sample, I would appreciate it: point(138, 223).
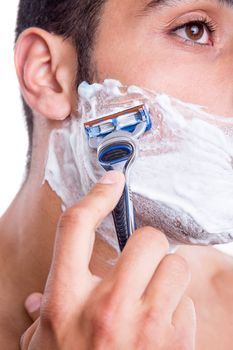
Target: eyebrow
point(162, 3)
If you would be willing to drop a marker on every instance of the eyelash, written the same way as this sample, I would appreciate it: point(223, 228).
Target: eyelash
point(209, 24)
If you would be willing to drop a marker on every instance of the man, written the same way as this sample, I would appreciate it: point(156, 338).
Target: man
point(158, 45)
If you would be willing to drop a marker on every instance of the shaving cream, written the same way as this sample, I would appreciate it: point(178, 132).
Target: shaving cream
point(182, 180)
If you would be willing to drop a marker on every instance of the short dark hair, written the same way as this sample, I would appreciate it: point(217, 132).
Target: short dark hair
point(74, 19)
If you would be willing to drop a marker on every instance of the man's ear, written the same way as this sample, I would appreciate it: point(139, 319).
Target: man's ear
point(46, 68)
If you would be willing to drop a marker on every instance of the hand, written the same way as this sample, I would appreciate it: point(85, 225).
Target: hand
point(141, 305)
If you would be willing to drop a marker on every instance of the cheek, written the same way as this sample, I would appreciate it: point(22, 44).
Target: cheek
point(191, 76)
point(160, 72)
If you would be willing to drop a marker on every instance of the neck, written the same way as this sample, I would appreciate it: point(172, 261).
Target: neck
point(28, 228)
point(28, 231)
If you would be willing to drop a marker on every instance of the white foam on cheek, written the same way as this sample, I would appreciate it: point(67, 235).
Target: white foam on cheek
point(185, 162)
point(196, 176)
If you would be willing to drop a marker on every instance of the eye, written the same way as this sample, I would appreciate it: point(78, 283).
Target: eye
point(196, 32)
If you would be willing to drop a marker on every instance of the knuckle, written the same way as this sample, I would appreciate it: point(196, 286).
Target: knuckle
point(98, 191)
point(48, 318)
point(102, 325)
point(101, 196)
point(103, 320)
point(52, 316)
point(73, 216)
point(101, 203)
point(152, 317)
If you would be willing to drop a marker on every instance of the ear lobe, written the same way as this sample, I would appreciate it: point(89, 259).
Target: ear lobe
point(38, 65)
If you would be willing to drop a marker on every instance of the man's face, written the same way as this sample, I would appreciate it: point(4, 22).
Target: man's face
point(182, 47)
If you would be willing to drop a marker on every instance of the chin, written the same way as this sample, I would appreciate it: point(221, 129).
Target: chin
point(178, 226)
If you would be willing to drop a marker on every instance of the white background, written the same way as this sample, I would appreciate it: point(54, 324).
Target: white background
point(13, 135)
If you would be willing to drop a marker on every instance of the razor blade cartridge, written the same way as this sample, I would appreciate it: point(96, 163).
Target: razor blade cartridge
point(114, 138)
point(126, 120)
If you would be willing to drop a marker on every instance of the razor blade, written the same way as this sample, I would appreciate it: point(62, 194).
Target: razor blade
point(114, 137)
point(135, 120)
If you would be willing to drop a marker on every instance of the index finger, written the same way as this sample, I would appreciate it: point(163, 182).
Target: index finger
point(76, 230)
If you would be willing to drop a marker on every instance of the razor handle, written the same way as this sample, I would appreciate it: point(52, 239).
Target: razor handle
point(124, 218)
point(118, 152)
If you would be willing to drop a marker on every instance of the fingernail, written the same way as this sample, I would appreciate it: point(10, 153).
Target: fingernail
point(111, 177)
point(33, 303)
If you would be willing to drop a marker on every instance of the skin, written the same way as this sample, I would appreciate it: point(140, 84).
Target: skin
point(112, 312)
point(143, 49)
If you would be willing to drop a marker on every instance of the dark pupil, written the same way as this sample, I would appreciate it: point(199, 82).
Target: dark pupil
point(195, 31)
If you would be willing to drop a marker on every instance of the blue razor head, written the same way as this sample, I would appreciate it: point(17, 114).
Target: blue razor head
point(126, 120)
point(114, 154)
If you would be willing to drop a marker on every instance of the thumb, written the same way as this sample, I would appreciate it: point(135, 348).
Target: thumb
point(33, 304)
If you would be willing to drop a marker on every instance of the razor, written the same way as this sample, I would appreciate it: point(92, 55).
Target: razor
point(115, 139)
